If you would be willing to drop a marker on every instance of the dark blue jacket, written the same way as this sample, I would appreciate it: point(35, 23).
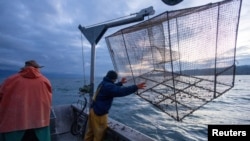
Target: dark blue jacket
point(108, 91)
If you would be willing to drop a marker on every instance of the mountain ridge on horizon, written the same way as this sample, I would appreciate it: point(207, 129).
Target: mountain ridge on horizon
point(240, 70)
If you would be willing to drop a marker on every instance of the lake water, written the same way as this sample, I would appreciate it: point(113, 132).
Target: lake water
point(232, 107)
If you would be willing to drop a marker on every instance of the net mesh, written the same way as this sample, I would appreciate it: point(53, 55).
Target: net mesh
point(186, 57)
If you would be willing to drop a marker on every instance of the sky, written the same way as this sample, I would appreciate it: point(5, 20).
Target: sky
point(47, 31)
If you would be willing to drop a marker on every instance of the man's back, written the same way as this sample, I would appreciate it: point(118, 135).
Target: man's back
point(25, 101)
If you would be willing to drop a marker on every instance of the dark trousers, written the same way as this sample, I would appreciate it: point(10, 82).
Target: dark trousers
point(30, 135)
point(37, 134)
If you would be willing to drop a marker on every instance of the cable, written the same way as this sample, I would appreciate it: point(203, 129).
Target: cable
point(78, 125)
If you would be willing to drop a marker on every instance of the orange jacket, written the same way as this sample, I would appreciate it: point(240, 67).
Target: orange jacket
point(25, 101)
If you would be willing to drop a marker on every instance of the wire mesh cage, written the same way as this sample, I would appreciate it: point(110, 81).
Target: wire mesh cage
point(186, 57)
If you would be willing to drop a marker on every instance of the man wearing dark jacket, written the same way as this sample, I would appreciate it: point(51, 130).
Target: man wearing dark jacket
point(102, 101)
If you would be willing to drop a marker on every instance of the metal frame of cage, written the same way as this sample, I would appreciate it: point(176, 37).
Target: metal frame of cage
point(186, 57)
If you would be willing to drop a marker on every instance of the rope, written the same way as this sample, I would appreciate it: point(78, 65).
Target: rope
point(78, 126)
point(85, 88)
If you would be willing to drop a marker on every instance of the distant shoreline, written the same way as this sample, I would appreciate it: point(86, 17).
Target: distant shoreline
point(240, 70)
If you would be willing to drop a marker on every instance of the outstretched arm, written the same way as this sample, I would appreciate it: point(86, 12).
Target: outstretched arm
point(120, 91)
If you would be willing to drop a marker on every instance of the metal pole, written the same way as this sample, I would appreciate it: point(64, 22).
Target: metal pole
point(92, 73)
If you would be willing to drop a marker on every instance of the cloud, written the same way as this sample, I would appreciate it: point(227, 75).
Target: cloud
point(47, 31)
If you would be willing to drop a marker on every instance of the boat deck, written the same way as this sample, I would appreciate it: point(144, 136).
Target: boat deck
point(63, 117)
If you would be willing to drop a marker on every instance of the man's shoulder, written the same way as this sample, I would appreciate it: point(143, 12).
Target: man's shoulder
point(13, 76)
point(107, 83)
point(44, 77)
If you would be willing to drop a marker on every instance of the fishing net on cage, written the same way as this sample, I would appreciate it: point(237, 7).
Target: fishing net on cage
point(186, 57)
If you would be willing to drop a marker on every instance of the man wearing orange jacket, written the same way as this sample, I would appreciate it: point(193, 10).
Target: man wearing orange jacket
point(25, 105)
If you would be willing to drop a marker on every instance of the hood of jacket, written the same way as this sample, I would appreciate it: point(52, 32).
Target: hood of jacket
point(30, 72)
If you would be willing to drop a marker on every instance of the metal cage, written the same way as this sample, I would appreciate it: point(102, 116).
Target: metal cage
point(186, 57)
